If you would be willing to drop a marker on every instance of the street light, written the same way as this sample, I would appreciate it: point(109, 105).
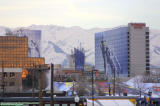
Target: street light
point(52, 84)
point(76, 99)
point(93, 87)
point(73, 88)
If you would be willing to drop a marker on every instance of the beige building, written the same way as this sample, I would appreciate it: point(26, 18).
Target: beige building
point(138, 45)
point(126, 48)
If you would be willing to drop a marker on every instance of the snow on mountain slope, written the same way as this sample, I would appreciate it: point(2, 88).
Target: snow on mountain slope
point(155, 47)
point(58, 41)
point(3, 30)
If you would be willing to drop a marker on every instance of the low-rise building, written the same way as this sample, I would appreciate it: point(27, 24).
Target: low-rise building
point(12, 79)
point(14, 57)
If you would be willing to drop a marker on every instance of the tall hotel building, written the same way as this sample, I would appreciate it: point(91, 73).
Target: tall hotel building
point(129, 45)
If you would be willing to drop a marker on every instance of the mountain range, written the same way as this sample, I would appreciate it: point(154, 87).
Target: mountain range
point(58, 41)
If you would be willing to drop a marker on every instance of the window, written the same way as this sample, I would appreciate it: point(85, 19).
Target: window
point(147, 44)
point(4, 74)
point(147, 52)
point(147, 68)
point(147, 33)
point(12, 74)
point(147, 37)
point(147, 56)
point(147, 61)
point(147, 40)
point(147, 64)
point(147, 48)
point(11, 83)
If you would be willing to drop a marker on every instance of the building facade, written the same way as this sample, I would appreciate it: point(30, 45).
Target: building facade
point(34, 41)
point(14, 54)
point(130, 47)
point(12, 79)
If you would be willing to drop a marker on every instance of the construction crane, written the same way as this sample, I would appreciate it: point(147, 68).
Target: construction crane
point(112, 60)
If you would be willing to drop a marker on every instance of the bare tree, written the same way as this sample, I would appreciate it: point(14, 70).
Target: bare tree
point(83, 86)
point(139, 83)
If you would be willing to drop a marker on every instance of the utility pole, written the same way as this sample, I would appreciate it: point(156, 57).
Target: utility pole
point(33, 81)
point(103, 44)
point(40, 69)
point(114, 81)
point(103, 48)
point(52, 85)
point(40, 88)
point(73, 88)
point(3, 84)
point(92, 87)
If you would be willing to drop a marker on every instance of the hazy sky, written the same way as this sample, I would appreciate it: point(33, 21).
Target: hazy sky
point(84, 13)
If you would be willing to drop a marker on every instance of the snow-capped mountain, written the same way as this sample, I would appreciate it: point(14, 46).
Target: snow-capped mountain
point(155, 47)
point(57, 42)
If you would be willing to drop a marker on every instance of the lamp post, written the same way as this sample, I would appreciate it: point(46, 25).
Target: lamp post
point(3, 84)
point(93, 86)
point(33, 78)
point(76, 99)
point(103, 45)
point(114, 82)
point(52, 86)
point(73, 88)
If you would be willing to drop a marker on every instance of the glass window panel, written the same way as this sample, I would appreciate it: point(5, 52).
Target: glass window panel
point(56, 104)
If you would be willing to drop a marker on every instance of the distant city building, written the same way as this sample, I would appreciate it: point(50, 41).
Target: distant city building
point(12, 79)
point(57, 67)
point(66, 74)
point(34, 41)
point(155, 69)
point(129, 45)
point(77, 59)
point(71, 60)
point(88, 67)
point(14, 59)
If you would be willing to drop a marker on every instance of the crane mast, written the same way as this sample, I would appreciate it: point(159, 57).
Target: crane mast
point(109, 57)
